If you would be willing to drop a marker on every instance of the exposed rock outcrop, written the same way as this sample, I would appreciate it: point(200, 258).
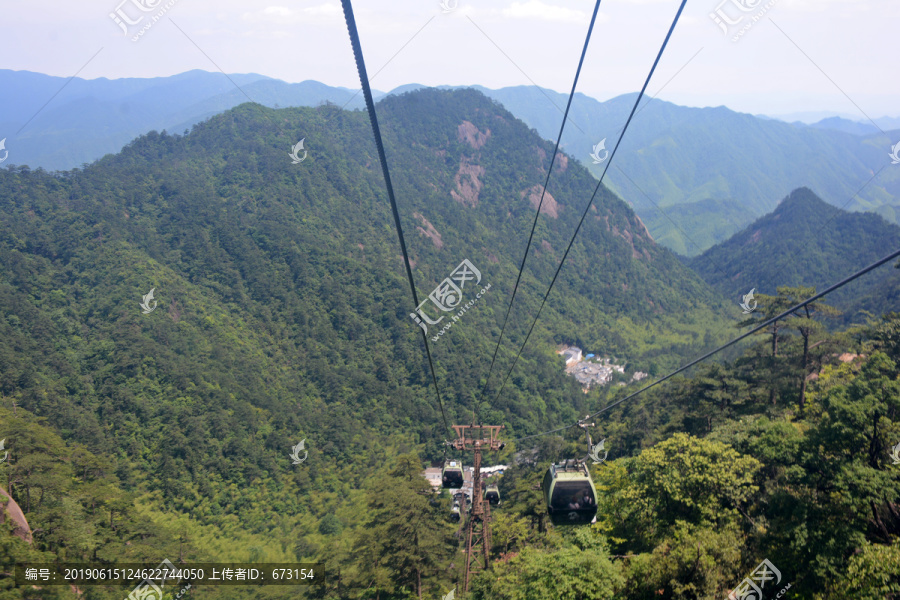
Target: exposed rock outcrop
point(9, 508)
point(550, 207)
point(467, 132)
point(428, 230)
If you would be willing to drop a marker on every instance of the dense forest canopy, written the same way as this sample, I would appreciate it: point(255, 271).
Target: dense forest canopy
point(806, 242)
point(281, 313)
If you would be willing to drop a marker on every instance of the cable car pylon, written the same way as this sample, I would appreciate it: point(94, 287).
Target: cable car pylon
point(477, 438)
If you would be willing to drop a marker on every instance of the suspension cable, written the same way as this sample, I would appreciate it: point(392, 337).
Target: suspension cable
point(596, 189)
point(370, 106)
point(759, 327)
point(540, 203)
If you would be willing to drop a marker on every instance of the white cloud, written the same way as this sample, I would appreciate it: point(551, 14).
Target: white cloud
point(535, 9)
point(280, 11)
point(283, 14)
point(822, 5)
point(324, 10)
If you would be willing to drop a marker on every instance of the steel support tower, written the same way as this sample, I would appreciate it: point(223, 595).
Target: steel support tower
point(477, 438)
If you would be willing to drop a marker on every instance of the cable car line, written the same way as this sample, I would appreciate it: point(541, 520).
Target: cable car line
point(370, 107)
point(537, 212)
point(794, 309)
point(759, 327)
point(596, 189)
point(568, 490)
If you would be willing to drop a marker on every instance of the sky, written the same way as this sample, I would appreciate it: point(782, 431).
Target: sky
point(793, 56)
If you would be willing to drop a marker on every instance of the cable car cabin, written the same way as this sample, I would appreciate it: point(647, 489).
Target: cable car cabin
point(570, 494)
point(452, 475)
point(463, 501)
point(454, 512)
point(492, 495)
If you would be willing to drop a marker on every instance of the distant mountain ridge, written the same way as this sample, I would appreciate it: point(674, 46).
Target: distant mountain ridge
point(805, 241)
point(91, 118)
point(826, 118)
point(674, 155)
point(694, 175)
point(846, 125)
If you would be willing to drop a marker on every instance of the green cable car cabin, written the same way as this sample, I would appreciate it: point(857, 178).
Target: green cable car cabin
point(454, 512)
point(492, 495)
point(452, 475)
point(570, 494)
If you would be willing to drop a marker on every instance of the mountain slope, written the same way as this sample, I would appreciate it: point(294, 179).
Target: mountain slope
point(804, 241)
point(732, 163)
point(281, 315)
point(688, 228)
point(283, 308)
point(685, 155)
point(222, 214)
point(724, 150)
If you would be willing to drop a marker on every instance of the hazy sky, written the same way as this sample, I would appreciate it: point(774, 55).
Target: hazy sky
point(828, 55)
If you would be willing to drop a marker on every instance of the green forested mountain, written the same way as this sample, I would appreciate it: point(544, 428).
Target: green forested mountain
point(675, 163)
point(676, 155)
point(807, 242)
point(283, 315)
point(280, 314)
